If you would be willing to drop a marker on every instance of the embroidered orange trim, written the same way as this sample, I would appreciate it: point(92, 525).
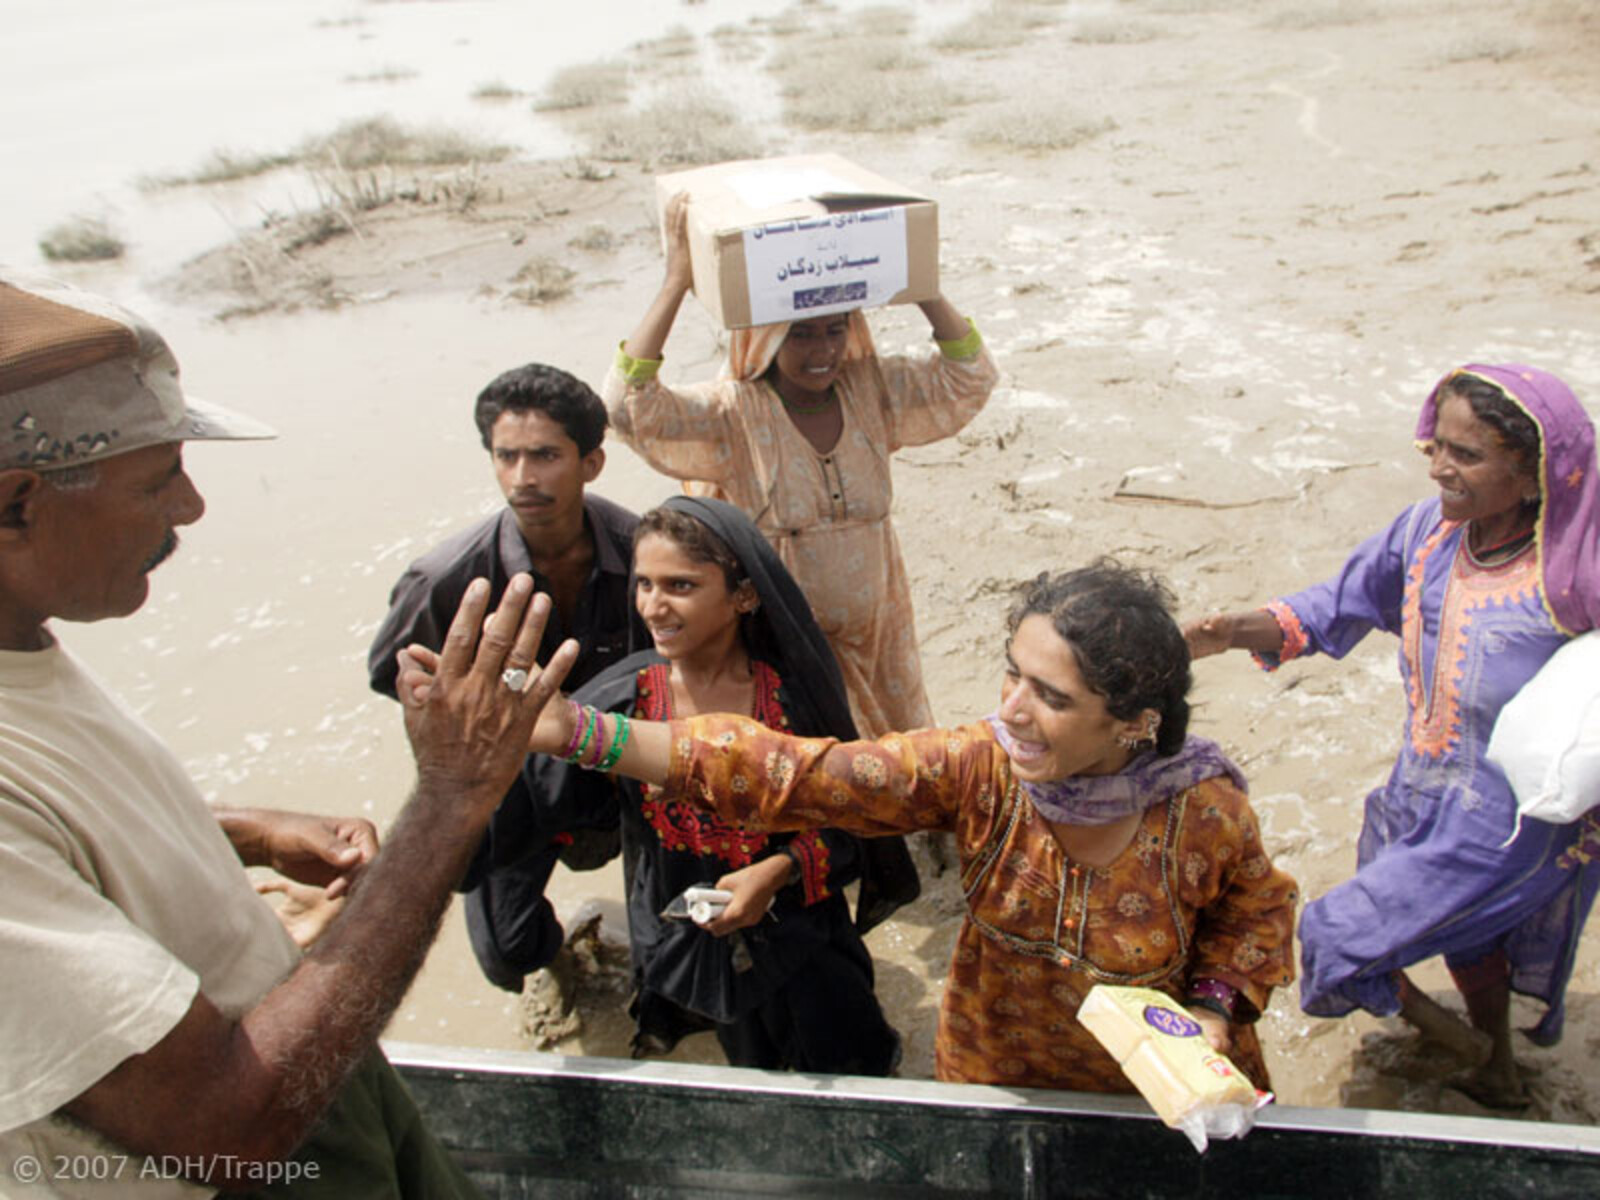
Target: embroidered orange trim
point(1436, 701)
point(1586, 848)
point(1295, 639)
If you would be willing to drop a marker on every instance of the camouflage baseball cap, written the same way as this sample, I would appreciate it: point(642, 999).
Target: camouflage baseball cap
point(82, 379)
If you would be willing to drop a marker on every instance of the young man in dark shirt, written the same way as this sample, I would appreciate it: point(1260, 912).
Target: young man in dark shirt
point(543, 429)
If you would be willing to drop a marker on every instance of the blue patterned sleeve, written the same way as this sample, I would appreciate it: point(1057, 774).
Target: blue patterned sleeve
point(1331, 617)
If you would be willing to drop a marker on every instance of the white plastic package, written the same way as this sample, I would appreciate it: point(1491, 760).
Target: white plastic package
point(1547, 737)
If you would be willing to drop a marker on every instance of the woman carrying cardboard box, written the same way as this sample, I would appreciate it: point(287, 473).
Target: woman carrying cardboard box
point(797, 432)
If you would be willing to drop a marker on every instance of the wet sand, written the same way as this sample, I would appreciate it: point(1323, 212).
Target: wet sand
point(1215, 323)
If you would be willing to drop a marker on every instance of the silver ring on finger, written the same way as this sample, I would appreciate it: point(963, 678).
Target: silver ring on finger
point(515, 678)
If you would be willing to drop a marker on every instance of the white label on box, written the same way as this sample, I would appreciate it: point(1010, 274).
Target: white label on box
point(813, 266)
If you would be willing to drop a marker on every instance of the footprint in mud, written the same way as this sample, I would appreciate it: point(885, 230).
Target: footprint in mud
point(1398, 1070)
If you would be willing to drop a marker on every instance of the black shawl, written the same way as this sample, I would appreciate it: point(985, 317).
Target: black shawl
point(510, 924)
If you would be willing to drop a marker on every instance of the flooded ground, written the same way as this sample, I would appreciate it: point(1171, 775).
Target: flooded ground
point(1216, 310)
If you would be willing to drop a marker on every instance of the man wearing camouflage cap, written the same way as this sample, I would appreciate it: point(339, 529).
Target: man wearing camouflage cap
point(157, 1024)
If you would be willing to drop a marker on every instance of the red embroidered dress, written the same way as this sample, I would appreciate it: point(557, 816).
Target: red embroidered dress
point(795, 989)
point(683, 829)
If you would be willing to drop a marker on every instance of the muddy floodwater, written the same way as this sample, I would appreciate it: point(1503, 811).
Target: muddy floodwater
point(1217, 302)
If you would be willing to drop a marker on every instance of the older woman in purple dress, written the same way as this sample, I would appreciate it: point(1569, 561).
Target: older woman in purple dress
point(1481, 584)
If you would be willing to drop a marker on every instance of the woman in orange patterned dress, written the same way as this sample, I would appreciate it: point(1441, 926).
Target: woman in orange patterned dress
point(1099, 842)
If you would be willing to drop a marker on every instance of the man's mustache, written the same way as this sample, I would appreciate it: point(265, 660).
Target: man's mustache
point(163, 551)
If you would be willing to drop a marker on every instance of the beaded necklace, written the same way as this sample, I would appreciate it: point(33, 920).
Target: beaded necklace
point(1501, 552)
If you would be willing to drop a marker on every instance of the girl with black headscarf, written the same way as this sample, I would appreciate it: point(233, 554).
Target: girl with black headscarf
point(781, 973)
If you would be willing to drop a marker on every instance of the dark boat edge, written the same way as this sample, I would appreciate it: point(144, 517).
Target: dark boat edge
point(528, 1124)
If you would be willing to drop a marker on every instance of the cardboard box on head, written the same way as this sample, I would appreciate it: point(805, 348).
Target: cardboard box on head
point(786, 239)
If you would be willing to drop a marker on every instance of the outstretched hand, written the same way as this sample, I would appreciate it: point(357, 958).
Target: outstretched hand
point(325, 852)
point(1210, 635)
point(469, 729)
point(418, 666)
point(306, 911)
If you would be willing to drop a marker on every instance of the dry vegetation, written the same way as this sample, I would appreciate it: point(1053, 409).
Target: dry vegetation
point(595, 237)
point(686, 126)
point(542, 280)
point(588, 86)
point(357, 169)
point(495, 89)
point(1180, 7)
point(1002, 25)
point(1037, 124)
point(384, 75)
point(355, 145)
point(81, 239)
point(677, 42)
point(385, 142)
point(1480, 48)
point(1325, 15)
point(878, 80)
point(881, 103)
point(224, 166)
point(1113, 31)
point(880, 77)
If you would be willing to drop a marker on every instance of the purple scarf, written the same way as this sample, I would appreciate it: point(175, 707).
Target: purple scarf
point(1148, 779)
point(1568, 528)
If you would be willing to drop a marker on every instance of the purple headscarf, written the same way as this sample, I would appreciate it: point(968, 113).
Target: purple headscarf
point(1147, 780)
point(1568, 529)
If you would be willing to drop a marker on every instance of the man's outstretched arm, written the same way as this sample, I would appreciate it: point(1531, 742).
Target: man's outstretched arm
point(252, 1087)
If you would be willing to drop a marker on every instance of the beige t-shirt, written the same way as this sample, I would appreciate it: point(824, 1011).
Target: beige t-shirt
point(121, 897)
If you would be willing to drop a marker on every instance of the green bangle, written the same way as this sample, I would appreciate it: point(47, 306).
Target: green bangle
point(599, 750)
point(615, 753)
point(591, 720)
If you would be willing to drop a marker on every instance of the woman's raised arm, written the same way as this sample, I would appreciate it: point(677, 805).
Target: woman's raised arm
point(948, 324)
point(649, 337)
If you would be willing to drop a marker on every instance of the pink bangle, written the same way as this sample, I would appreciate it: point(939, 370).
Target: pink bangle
point(578, 722)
